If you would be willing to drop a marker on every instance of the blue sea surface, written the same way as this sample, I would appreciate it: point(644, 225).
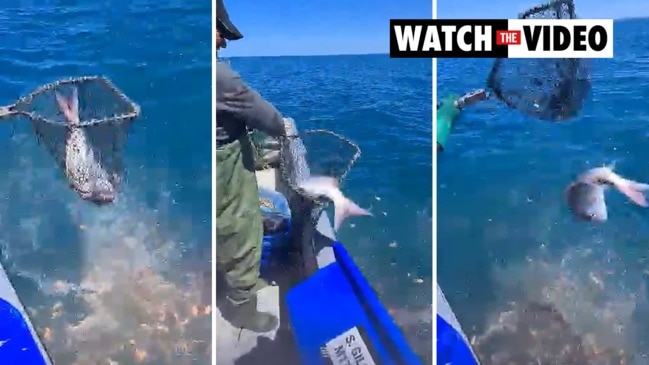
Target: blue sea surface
point(504, 232)
point(384, 106)
point(113, 282)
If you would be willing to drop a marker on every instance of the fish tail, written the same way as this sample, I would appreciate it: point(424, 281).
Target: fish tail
point(62, 102)
point(74, 101)
point(638, 185)
point(344, 208)
point(69, 108)
point(633, 190)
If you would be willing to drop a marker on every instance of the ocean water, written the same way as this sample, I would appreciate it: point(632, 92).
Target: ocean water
point(384, 106)
point(505, 233)
point(119, 282)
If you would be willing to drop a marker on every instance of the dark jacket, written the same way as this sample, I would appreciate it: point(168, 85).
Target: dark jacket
point(238, 106)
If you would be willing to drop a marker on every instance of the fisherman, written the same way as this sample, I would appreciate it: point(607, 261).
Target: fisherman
point(239, 227)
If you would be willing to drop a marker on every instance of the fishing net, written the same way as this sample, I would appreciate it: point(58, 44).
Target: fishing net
point(104, 112)
point(314, 152)
point(549, 89)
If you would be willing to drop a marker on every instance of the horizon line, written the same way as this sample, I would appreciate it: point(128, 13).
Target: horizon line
point(642, 17)
point(313, 55)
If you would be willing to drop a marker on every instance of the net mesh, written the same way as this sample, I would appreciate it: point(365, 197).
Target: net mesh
point(314, 152)
point(548, 89)
point(105, 114)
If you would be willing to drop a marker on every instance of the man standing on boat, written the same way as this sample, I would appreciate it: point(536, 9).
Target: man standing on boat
point(239, 227)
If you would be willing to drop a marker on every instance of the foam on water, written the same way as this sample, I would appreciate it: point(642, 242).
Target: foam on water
point(588, 284)
point(102, 284)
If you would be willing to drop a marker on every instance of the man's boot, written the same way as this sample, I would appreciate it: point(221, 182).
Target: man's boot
point(246, 316)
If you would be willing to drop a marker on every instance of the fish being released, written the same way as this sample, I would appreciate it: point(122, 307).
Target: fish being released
point(83, 170)
point(585, 197)
point(328, 187)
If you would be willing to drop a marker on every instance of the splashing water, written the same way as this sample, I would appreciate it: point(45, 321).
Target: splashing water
point(591, 289)
point(102, 285)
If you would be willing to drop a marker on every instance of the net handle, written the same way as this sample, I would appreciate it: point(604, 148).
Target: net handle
point(473, 97)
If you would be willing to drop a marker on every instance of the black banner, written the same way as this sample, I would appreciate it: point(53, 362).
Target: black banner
point(446, 38)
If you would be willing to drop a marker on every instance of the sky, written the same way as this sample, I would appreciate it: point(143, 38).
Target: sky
point(317, 27)
point(334, 27)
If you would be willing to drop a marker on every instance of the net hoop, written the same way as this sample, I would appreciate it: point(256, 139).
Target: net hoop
point(134, 113)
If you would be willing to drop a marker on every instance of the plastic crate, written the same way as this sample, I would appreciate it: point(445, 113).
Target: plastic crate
point(337, 318)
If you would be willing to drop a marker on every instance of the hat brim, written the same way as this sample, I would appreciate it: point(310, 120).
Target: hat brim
point(224, 25)
point(228, 30)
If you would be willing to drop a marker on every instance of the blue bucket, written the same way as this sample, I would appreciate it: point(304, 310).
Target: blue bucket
point(274, 203)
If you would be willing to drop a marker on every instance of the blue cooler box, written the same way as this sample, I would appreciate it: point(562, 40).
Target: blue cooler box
point(452, 348)
point(17, 342)
point(337, 318)
point(278, 241)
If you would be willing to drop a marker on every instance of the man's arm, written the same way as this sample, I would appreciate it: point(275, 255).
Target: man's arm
point(245, 103)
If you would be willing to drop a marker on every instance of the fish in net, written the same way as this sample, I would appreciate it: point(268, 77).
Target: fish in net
point(315, 153)
point(553, 89)
point(310, 153)
point(83, 123)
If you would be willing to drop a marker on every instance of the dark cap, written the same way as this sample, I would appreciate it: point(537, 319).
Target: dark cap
point(224, 25)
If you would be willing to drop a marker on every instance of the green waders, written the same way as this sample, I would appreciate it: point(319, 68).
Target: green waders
point(447, 113)
point(239, 232)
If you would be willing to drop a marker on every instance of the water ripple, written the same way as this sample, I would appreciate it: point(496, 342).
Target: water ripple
point(113, 283)
point(501, 182)
point(384, 105)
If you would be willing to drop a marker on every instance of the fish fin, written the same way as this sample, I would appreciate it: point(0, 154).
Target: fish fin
point(633, 192)
point(611, 166)
point(344, 208)
point(69, 108)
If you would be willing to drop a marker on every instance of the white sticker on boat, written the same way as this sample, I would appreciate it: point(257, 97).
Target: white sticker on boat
point(349, 348)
